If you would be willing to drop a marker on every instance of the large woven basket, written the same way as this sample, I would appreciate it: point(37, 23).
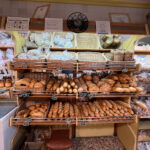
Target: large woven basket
point(87, 41)
point(63, 35)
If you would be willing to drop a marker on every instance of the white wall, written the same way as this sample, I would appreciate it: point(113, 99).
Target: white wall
point(26, 9)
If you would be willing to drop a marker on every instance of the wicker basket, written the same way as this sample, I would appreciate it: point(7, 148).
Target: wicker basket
point(64, 65)
point(27, 64)
point(121, 65)
point(91, 61)
point(36, 76)
point(27, 103)
point(87, 41)
point(63, 35)
point(39, 32)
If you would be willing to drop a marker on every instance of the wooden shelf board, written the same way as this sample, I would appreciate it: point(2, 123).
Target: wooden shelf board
point(79, 97)
point(15, 123)
point(5, 47)
point(144, 124)
point(144, 94)
point(142, 52)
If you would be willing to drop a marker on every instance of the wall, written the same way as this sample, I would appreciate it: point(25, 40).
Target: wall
point(26, 9)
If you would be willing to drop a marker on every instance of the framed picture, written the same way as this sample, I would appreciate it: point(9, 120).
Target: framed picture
point(41, 12)
point(120, 17)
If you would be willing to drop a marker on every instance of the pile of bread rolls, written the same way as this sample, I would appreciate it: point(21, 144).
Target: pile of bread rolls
point(99, 108)
point(30, 83)
point(122, 83)
point(38, 110)
point(5, 83)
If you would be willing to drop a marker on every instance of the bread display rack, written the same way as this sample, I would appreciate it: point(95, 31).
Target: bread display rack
point(125, 125)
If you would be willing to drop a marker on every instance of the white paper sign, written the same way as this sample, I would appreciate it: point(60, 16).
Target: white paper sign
point(53, 24)
point(103, 27)
point(17, 23)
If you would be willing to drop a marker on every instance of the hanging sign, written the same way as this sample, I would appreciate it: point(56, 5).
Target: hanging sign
point(17, 23)
point(103, 27)
point(53, 24)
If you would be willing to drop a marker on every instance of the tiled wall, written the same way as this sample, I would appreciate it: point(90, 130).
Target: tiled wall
point(26, 9)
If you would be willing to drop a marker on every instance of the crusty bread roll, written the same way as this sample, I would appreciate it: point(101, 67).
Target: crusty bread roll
point(38, 85)
point(22, 82)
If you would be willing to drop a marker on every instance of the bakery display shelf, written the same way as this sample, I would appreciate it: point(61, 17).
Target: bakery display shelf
point(71, 49)
point(112, 66)
point(137, 52)
point(76, 121)
point(142, 52)
point(125, 66)
point(90, 94)
point(147, 94)
point(5, 47)
point(144, 117)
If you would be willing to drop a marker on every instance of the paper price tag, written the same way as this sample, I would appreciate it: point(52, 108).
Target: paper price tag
point(103, 27)
point(17, 23)
point(53, 24)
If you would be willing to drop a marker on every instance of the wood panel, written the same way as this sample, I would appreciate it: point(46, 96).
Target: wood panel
point(95, 130)
point(127, 136)
point(115, 3)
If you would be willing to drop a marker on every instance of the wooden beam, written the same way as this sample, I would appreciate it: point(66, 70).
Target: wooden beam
point(113, 3)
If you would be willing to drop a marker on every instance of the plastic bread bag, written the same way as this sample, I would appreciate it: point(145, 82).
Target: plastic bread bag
point(2, 55)
point(143, 60)
point(9, 54)
point(68, 56)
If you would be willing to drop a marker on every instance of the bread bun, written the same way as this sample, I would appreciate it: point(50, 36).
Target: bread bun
point(38, 85)
point(32, 107)
point(2, 84)
point(22, 82)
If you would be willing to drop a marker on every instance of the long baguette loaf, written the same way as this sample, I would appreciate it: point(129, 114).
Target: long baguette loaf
point(143, 106)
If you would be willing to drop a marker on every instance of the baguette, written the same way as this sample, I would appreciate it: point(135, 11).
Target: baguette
point(80, 89)
point(123, 104)
point(143, 106)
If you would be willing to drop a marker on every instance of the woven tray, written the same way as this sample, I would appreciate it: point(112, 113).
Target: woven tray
point(36, 76)
point(90, 56)
point(26, 63)
point(63, 35)
point(87, 41)
point(39, 32)
point(64, 65)
point(27, 103)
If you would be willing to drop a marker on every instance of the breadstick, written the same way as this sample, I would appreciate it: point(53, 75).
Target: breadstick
point(80, 89)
